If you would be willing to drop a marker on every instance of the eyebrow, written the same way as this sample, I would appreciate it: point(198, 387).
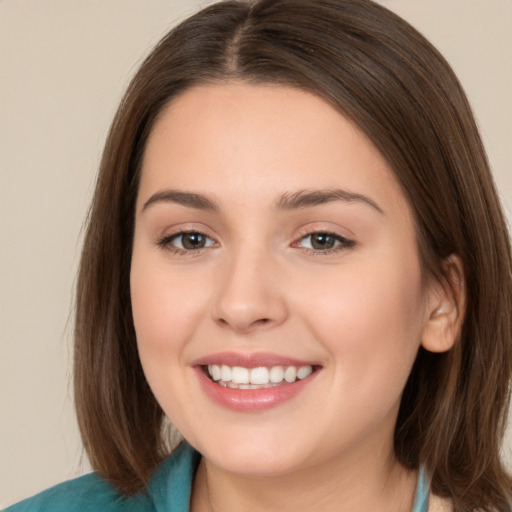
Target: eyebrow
point(197, 201)
point(288, 201)
point(309, 198)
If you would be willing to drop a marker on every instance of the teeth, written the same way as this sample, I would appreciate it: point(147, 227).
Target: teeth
point(256, 378)
point(225, 373)
point(304, 371)
point(259, 375)
point(290, 374)
point(239, 375)
point(276, 374)
point(215, 371)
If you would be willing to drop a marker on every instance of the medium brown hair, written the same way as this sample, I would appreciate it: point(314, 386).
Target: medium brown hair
point(376, 69)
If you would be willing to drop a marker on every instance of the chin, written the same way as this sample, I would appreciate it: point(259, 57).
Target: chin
point(254, 463)
point(247, 454)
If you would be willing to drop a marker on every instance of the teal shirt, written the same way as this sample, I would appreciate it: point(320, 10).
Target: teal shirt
point(168, 491)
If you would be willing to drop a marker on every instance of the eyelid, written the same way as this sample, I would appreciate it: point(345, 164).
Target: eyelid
point(165, 242)
point(343, 244)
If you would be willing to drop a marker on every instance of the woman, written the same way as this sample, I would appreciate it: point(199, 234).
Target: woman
point(296, 254)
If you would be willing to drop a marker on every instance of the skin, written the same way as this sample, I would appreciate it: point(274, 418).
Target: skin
point(361, 311)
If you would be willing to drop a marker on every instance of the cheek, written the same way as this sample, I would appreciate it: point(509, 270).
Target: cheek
point(371, 317)
point(165, 315)
point(166, 308)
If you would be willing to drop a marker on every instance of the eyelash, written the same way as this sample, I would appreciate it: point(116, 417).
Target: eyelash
point(343, 243)
point(166, 243)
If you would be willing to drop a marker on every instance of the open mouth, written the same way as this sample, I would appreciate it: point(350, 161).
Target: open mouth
point(261, 377)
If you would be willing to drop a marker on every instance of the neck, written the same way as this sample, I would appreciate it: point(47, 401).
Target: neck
point(370, 483)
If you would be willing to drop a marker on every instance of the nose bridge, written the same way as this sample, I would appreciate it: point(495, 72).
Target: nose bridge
point(250, 295)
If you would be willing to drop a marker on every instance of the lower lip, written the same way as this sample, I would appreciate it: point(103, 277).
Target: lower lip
point(252, 400)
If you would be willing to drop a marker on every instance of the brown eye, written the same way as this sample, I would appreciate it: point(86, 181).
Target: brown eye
point(325, 242)
point(192, 241)
point(186, 241)
point(322, 241)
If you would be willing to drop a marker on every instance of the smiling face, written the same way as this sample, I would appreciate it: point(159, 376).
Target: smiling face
point(271, 236)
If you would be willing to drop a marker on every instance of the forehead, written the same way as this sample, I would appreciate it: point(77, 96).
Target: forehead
point(260, 139)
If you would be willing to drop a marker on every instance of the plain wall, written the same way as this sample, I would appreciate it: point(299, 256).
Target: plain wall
point(63, 67)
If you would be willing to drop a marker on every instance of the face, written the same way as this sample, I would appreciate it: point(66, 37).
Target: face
point(276, 287)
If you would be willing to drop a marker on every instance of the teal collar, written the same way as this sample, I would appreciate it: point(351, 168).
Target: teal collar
point(171, 485)
point(422, 490)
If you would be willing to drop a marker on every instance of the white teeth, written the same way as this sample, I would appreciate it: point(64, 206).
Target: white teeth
point(239, 375)
point(225, 373)
point(259, 375)
point(290, 374)
point(256, 378)
point(215, 372)
point(276, 374)
point(304, 371)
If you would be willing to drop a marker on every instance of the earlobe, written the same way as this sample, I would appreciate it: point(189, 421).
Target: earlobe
point(446, 305)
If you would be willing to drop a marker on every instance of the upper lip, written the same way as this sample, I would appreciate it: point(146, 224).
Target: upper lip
point(253, 360)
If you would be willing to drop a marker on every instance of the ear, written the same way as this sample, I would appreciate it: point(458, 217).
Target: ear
point(445, 307)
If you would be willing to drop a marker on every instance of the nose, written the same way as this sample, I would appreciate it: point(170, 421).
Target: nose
point(251, 295)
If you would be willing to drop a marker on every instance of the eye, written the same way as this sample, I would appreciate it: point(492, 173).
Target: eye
point(324, 242)
point(185, 241)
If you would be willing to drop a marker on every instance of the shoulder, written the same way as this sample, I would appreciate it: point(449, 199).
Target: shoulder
point(168, 489)
point(438, 504)
point(86, 493)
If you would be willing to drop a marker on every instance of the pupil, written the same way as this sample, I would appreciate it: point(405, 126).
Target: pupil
point(322, 241)
point(193, 241)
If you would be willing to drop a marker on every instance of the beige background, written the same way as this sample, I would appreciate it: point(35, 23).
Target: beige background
point(63, 67)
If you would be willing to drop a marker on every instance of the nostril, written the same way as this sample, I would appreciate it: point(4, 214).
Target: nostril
point(244, 324)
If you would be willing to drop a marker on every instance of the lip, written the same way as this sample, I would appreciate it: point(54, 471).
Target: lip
point(251, 400)
point(250, 360)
